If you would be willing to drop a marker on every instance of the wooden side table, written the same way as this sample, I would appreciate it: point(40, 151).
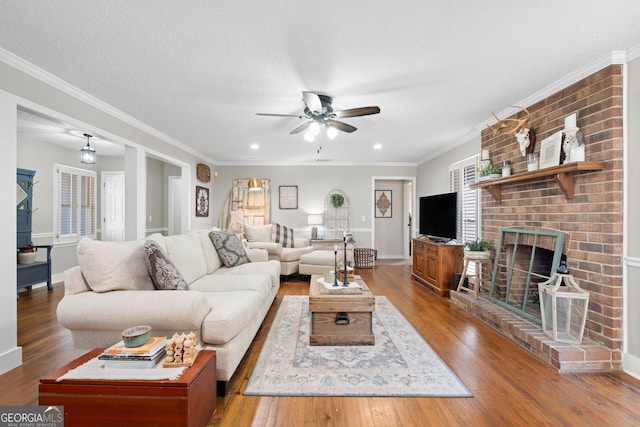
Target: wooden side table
point(188, 401)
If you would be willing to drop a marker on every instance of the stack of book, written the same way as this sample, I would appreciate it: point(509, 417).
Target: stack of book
point(146, 356)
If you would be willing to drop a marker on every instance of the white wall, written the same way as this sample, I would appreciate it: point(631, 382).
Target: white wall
point(631, 351)
point(10, 353)
point(433, 175)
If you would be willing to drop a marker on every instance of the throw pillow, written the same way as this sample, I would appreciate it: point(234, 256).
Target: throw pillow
point(229, 247)
point(282, 234)
point(258, 233)
point(163, 272)
point(113, 266)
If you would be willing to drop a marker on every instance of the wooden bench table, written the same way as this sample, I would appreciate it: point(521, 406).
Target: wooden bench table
point(341, 316)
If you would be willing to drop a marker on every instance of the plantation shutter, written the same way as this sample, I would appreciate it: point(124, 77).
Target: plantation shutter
point(75, 213)
point(461, 175)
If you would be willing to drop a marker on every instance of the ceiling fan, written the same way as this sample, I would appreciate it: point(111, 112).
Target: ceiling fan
point(319, 113)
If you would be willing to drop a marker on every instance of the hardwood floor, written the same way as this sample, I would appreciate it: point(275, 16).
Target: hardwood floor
point(509, 386)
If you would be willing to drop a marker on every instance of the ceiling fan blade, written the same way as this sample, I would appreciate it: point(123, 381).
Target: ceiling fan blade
point(342, 126)
point(280, 115)
point(355, 112)
point(312, 101)
point(301, 127)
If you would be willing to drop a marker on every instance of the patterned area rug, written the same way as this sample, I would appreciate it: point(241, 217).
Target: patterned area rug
point(401, 363)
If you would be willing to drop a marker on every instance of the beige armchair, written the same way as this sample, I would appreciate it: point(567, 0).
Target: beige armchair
point(287, 251)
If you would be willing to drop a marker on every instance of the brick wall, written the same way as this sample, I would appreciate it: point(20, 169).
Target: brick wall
point(592, 220)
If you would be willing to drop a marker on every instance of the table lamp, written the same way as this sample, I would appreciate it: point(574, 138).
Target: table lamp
point(314, 219)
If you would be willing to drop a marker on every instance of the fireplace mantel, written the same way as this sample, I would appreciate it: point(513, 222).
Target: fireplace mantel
point(563, 175)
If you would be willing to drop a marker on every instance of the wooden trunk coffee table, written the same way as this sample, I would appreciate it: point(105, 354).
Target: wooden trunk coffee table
point(187, 401)
point(340, 316)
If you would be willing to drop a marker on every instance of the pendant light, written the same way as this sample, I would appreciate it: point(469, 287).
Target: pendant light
point(88, 154)
point(255, 184)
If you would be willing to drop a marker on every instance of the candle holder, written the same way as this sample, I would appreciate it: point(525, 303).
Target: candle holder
point(346, 279)
point(335, 266)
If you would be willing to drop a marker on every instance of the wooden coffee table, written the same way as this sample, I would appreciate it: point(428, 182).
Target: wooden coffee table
point(188, 401)
point(341, 316)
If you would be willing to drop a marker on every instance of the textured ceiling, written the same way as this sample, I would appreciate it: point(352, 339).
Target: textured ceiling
point(198, 71)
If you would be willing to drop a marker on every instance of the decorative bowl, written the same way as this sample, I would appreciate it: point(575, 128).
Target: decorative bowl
point(136, 335)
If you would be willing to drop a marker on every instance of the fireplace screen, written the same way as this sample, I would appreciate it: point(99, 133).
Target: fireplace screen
point(523, 259)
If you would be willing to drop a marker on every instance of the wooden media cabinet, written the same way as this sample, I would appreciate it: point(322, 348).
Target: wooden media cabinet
point(434, 264)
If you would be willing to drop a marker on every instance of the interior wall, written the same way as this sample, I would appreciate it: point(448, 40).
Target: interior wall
point(631, 355)
point(10, 352)
point(314, 182)
point(433, 175)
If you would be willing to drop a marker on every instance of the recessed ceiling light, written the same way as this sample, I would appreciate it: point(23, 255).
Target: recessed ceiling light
point(255, 146)
point(377, 146)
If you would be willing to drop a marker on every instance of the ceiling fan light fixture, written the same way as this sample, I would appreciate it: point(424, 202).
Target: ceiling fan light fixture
point(332, 132)
point(309, 136)
point(88, 154)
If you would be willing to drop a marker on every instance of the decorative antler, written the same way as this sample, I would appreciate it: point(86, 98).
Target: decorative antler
point(515, 125)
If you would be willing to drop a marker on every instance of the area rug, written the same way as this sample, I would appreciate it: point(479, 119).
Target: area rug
point(401, 363)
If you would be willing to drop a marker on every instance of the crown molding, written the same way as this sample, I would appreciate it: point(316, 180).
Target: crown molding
point(44, 76)
point(319, 164)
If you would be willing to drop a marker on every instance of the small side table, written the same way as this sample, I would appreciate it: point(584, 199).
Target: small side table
point(478, 262)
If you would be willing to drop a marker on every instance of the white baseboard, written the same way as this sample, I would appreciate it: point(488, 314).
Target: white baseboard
point(10, 359)
point(631, 365)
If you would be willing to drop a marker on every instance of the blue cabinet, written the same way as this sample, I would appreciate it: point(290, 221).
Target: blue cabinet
point(38, 271)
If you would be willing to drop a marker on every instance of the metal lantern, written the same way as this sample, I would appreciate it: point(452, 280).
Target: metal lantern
point(563, 307)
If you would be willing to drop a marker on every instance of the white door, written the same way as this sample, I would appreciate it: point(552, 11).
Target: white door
point(174, 205)
point(112, 206)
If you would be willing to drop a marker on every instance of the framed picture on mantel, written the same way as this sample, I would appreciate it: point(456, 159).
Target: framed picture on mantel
point(550, 150)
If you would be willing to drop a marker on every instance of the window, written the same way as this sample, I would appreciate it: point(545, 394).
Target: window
point(75, 212)
point(461, 175)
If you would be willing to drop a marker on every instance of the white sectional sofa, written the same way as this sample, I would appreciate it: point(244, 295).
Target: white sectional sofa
point(111, 290)
point(264, 237)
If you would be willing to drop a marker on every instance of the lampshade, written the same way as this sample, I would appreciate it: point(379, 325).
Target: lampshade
point(315, 219)
point(87, 154)
point(255, 184)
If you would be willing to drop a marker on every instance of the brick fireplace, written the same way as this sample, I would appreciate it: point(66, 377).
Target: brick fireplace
point(591, 220)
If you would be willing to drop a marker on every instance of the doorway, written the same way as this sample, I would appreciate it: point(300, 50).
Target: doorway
point(392, 231)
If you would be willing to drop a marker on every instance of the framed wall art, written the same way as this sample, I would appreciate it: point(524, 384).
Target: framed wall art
point(383, 203)
point(202, 201)
point(550, 150)
point(288, 196)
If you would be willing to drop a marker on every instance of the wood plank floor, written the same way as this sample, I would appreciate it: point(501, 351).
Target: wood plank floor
point(509, 386)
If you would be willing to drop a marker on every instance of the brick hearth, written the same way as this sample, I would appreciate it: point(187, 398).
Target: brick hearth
point(585, 357)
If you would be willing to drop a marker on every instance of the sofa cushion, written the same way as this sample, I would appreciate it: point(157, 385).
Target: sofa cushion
point(163, 272)
point(209, 251)
point(110, 266)
point(258, 233)
point(230, 313)
point(282, 234)
point(294, 254)
point(229, 247)
point(260, 283)
point(186, 253)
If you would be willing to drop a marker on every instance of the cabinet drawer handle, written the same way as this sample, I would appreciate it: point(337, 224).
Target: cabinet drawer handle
point(342, 318)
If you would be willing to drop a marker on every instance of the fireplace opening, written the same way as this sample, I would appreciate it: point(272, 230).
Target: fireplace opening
point(523, 259)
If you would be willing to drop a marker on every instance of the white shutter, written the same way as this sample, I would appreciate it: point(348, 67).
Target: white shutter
point(461, 175)
point(75, 213)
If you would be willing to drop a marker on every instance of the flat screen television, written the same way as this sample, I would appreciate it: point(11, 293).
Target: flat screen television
point(438, 216)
